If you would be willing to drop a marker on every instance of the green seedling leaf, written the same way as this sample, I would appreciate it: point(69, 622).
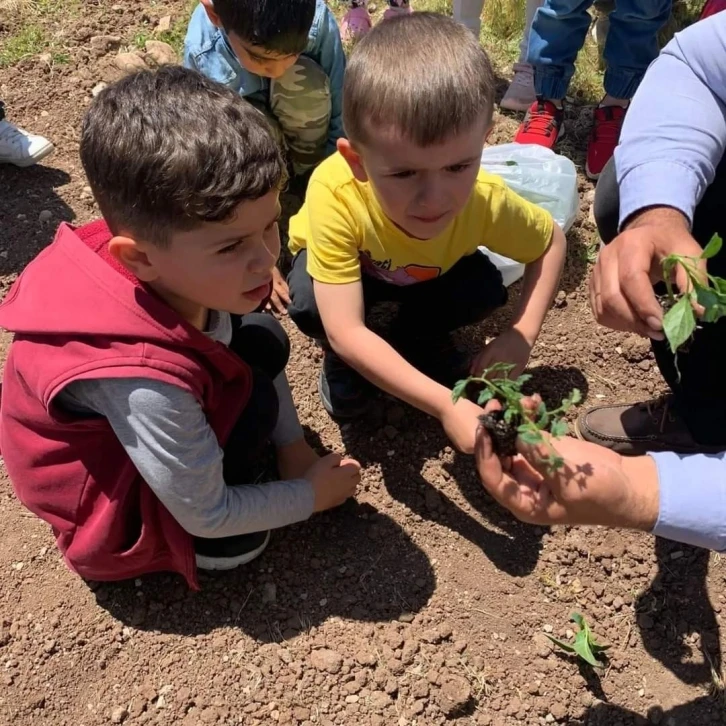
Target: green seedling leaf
point(711, 303)
point(679, 323)
point(558, 428)
point(575, 396)
point(561, 644)
point(584, 645)
point(582, 648)
point(494, 383)
point(712, 248)
point(458, 390)
point(532, 438)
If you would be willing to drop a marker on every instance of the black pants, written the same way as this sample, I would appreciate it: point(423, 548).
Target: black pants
point(262, 343)
point(465, 295)
point(2, 110)
point(700, 394)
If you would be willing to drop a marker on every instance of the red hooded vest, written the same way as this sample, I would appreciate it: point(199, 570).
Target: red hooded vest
point(77, 315)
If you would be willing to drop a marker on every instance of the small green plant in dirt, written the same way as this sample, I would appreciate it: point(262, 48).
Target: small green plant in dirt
point(514, 420)
point(584, 644)
point(708, 292)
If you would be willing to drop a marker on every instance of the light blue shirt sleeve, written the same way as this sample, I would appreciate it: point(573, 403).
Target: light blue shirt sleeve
point(692, 499)
point(674, 134)
point(328, 53)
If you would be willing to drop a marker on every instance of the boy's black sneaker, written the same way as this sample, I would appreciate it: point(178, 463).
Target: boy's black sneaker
point(345, 394)
point(226, 553)
point(436, 356)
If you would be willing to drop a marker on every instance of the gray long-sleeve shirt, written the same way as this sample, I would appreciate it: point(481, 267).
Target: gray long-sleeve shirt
point(672, 141)
point(166, 435)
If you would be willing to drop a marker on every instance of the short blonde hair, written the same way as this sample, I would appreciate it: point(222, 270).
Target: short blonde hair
point(423, 74)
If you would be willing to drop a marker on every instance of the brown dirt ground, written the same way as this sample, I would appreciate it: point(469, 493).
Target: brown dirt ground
point(419, 602)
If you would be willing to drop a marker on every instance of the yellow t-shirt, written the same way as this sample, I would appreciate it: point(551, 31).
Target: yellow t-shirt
point(347, 233)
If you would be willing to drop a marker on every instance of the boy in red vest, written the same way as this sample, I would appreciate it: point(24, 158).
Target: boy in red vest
point(138, 405)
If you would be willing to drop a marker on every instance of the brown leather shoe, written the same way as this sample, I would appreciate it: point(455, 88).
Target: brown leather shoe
point(634, 429)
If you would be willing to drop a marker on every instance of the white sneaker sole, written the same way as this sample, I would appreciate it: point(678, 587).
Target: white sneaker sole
point(30, 160)
point(511, 104)
point(229, 563)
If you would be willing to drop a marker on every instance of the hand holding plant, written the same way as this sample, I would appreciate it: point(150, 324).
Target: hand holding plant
point(514, 419)
point(703, 292)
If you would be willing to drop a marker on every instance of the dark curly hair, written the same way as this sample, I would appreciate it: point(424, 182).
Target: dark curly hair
point(169, 149)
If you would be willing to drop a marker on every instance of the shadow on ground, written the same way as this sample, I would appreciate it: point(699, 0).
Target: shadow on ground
point(346, 562)
point(700, 712)
point(25, 194)
point(403, 453)
point(676, 619)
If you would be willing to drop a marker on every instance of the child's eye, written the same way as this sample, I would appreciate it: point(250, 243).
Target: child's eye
point(457, 168)
point(272, 226)
point(229, 248)
point(403, 174)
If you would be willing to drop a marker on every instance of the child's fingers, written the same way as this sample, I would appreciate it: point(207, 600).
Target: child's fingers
point(348, 462)
point(530, 404)
point(331, 460)
point(492, 405)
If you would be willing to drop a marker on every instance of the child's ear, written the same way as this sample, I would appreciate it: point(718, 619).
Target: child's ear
point(127, 252)
point(488, 132)
point(353, 158)
point(211, 14)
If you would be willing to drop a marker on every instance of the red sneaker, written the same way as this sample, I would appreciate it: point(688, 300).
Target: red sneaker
point(604, 138)
point(542, 125)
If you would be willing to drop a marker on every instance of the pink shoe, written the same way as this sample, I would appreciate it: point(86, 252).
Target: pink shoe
point(355, 24)
point(397, 7)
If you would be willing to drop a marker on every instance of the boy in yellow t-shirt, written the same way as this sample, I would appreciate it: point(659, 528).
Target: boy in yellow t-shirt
point(398, 215)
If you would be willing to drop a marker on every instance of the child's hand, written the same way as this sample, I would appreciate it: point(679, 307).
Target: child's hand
point(295, 459)
point(595, 485)
point(461, 421)
point(510, 347)
point(280, 297)
point(334, 480)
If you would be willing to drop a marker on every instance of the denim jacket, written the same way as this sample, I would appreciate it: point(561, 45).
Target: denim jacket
point(207, 50)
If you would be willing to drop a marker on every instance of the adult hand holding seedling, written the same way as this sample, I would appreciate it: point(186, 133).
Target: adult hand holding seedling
point(593, 486)
point(621, 286)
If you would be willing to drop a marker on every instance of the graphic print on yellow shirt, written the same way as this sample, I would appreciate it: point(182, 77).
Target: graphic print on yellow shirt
point(347, 233)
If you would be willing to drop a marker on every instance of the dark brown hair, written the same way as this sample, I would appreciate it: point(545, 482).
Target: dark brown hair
point(169, 149)
point(422, 74)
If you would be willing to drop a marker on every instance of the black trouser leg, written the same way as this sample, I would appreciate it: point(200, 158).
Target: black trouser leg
point(262, 343)
point(700, 394)
point(2, 110)
point(464, 295)
point(303, 309)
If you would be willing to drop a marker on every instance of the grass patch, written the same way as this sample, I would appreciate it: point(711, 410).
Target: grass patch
point(28, 35)
point(174, 36)
point(29, 40)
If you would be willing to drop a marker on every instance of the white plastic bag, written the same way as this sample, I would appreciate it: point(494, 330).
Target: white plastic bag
point(540, 176)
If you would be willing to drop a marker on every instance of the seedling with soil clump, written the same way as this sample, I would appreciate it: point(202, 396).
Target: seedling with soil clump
point(709, 292)
point(514, 420)
point(584, 646)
